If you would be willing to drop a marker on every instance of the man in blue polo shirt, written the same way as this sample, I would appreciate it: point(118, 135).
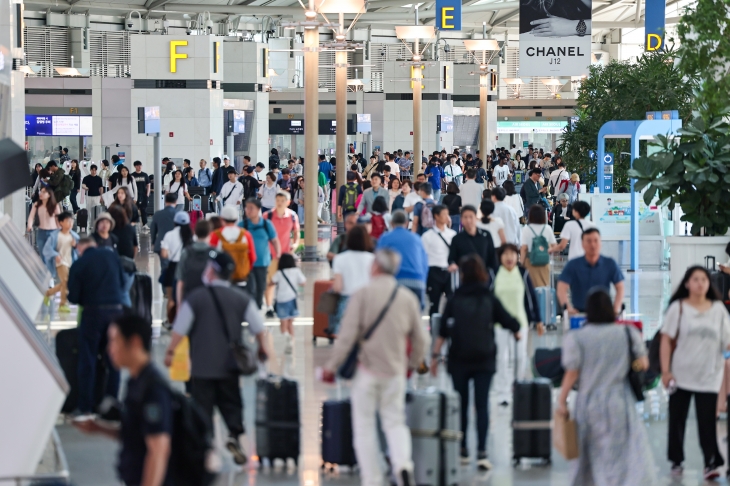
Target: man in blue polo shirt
point(435, 173)
point(591, 270)
point(263, 232)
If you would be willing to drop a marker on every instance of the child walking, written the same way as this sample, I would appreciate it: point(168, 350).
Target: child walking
point(286, 279)
point(60, 252)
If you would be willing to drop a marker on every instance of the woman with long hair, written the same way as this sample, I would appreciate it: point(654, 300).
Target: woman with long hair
point(453, 202)
point(127, 244)
point(172, 246)
point(36, 172)
point(167, 175)
point(124, 200)
point(471, 313)
point(46, 209)
point(75, 174)
point(491, 223)
point(695, 334)
point(612, 441)
point(178, 186)
point(124, 179)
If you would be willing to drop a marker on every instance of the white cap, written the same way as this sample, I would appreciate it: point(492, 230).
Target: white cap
point(229, 213)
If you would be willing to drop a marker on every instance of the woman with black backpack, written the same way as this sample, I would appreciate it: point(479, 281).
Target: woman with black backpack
point(468, 323)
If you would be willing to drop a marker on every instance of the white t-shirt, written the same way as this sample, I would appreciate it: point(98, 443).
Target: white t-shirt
point(573, 233)
point(501, 174)
point(268, 195)
point(515, 202)
point(556, 177)
point(354, 267)
point(411, 200)
point(394, 167)
point(697, 362)
point(172, 242)
point(174, 186)
point(284, 291)
point(453, 173)
point(495, 224)
point(527, 234)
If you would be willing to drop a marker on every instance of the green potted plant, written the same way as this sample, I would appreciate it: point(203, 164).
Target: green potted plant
point(694, 172)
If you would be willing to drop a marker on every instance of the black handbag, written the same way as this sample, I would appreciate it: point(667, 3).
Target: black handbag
point(636, 375)
point(128, 264)
point(348, 368)
point(241, 360)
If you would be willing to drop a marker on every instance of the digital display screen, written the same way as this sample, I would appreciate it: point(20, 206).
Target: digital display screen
point(446, 123)
point(364, 124)
point(58, 125)
point(148, 119)
point(286, 127)
point(151, 113)
point(239, 121)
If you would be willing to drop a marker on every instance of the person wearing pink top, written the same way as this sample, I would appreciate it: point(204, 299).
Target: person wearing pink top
point(47, 210)
point(286, 224)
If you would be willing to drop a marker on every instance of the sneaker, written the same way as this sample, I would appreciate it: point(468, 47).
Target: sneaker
point(711, 473)
point(483, 463)
point(677, 469)
point(234, 447)
point(289, 347)
point(464, 455)
point(270, 314)
point(46, 301)
point(64, 309)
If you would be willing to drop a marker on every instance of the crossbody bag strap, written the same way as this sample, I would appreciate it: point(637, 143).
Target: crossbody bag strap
point(581, 226)
point(443, 239)
point(220, 314)
point(229, 194)
point(289, 282)
point(380, 317)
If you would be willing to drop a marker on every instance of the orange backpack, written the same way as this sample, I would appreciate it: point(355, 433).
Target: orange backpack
point(238, 250)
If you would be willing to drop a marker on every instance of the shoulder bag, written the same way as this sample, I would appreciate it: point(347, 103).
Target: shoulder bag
point(636, 374)
point(347, 369)
point(241, 360)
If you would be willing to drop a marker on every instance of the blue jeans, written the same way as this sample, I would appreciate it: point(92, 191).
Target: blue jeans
point(335, 319)
point(482, 382)
point(437, 196)
point(128, 281)
point(92, 340)
point(41, 238)
point(456, 222)
point(419, 293)
point(300, 213)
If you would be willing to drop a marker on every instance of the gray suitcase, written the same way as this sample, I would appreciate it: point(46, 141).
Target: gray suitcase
point(434, 419)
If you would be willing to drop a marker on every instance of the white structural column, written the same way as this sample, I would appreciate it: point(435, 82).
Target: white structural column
point(341, 117)
point(311, 134)
point(417, 98)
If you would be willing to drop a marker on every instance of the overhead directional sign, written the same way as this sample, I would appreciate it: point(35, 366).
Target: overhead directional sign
point(448, 14)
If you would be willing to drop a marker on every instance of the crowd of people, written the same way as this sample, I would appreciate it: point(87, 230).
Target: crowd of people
point(469, 242)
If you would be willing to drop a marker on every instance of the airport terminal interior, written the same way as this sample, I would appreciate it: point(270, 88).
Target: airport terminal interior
point(582, 89)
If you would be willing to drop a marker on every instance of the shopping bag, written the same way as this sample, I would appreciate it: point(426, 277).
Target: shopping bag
point(565, 436)
point(180, 367)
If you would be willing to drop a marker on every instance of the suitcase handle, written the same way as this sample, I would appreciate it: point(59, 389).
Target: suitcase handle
point(707, 262)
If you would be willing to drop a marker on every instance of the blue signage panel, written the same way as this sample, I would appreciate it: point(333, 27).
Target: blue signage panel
point(608, 172)
point(448, 14)
point(38, 125)
point(654, 28)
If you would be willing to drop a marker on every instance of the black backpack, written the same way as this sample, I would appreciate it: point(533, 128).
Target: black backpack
point(191, 442)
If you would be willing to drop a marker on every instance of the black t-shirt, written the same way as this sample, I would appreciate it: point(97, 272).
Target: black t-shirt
point(126, 240)
point(147, 411)
point(250, 186)
point(114, 179)
point(93, 183)
point(453, 202)
point(110, 242)
point(142, 180)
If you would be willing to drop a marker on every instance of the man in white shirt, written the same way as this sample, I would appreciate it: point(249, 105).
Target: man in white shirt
point(453, 172)
point(574, 229)
point(437, 243)
point(559, 175)
point(232, 191)
point(513, 151)
point(394, 168)
point(259, 173)
point(470, 191)
point(502, 210)
point(501, 173)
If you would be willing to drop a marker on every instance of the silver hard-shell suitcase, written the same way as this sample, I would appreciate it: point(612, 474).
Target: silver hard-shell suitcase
point(434, 419)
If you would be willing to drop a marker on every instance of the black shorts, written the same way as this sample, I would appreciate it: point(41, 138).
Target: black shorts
point(167, 278)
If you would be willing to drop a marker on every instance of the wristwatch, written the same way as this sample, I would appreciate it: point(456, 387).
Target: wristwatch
point(581, 28)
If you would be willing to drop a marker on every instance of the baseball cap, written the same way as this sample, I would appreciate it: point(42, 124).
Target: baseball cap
point(222, 263)
point(181, 217)
point(229, 213)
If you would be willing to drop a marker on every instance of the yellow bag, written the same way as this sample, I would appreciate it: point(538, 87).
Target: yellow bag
point(180, 367)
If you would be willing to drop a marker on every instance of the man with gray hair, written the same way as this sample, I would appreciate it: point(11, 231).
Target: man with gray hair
point(413, 270)
point(379, 385)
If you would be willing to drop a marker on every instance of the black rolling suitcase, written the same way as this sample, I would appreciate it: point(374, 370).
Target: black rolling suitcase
point(67, 351)
point(82, 220)
point(277, 419)
point(337, 448)
point(532, 403)
point(141, 296)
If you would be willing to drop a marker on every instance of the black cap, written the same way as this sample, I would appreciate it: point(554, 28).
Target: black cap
point(222, 263)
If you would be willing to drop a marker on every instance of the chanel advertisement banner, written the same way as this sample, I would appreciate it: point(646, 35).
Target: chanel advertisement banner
point(555, 37)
